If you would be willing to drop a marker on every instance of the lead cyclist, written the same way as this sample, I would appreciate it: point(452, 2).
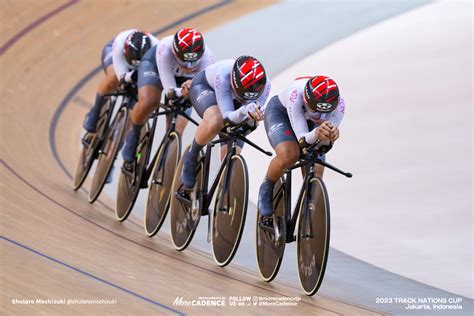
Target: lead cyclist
point(309, 111)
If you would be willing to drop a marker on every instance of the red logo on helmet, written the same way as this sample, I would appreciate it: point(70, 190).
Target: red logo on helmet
point(250, 72)
point(187, 37)
point(321, 86)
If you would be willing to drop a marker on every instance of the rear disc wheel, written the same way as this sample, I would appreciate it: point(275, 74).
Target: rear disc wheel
point(129, 184)
point(160, 189)
point(89, 152)
point(108, 154)
point(184, 218)
point(269, 250)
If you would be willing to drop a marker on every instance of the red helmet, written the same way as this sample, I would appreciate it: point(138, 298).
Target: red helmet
point(321, 94)
point(248, 78)
point(188, 45)
point(136, 45)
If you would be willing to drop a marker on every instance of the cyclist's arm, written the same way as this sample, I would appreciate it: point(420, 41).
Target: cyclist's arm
point(224, 99)
point(244, 112)
point(299, 124)
point(165, 62)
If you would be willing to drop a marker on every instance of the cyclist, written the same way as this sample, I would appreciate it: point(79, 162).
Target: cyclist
point(226, 93)
point(169, 67)
point(308, 111)
point(120, 59)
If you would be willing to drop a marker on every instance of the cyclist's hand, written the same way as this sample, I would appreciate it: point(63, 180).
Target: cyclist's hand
point(334, 134)
point(131, 76)
point(256, 115)
point(323, 132)
point(253, 111)
point(185, 88)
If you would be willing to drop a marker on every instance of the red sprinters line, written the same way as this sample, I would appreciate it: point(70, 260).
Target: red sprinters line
point(33, 25)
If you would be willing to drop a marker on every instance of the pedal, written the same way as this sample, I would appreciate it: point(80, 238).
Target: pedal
point(87, 139)
point(183, 197)
point(127, 169)
point(266, 221)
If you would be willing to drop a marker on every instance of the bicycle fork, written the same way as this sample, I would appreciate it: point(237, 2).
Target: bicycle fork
point(307, 231)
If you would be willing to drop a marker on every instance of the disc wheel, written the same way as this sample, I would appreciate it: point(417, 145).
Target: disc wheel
point(107, 155)
point(160, 189)
point(312, 238)
point(230, 211)
point(130, 183)
point(184, 217)
point(270, 250)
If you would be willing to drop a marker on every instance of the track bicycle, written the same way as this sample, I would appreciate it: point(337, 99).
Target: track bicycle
point(230, 187)
point(310, 218)
point(162, 166)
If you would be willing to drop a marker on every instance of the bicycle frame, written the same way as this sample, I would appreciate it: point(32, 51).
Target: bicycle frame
point(291, 218)
point(174, 112)
point(206, 163)
point(231, 139)
point(113, 110)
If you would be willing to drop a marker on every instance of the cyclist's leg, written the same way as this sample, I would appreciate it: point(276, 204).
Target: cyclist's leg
point(107, 85)
point(149, 95)
point(204, 101)
point(283, 140)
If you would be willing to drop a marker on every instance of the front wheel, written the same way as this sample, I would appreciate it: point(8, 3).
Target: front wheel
point(230, 210)
point(108, 153)
point(312, 237)
point(269, 248)
point(160, 189)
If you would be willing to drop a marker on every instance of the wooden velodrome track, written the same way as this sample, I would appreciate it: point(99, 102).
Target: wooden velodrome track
point(54, 244)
